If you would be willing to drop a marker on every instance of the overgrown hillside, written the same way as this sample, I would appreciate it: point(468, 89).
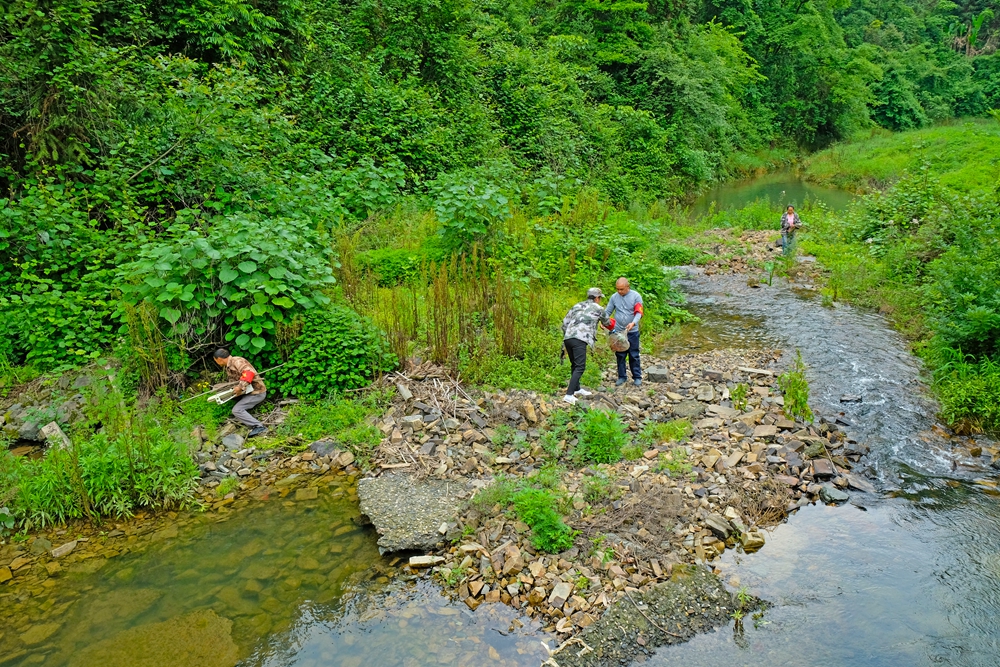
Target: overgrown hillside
point(196, 156)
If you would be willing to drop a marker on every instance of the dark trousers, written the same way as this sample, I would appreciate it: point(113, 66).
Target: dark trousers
point(576, 349)
point(633, 357)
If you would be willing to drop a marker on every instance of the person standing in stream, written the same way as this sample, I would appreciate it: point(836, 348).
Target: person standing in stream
point(579, 327)
point(626, 304)
point(789, 223)
point(240, 371)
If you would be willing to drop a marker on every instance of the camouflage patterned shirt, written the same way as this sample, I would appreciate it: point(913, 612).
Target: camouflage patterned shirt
point(581, 321)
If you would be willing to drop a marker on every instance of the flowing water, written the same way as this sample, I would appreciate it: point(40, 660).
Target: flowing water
point(910, 577)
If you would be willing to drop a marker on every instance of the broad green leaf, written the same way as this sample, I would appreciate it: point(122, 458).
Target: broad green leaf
point(170, 315)
point(248, 267)
point(228, 275)
point(258, 342)
point(242, 340)
point(283, 301)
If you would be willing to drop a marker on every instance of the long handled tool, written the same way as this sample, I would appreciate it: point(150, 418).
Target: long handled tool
point(227, 390)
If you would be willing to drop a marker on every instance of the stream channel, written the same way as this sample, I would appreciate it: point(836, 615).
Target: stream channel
point(909, 577)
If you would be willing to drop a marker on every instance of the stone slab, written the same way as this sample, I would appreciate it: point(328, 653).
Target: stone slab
point(407, 513)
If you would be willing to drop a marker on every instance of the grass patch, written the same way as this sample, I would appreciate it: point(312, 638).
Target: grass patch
point(964, 155)
point(341, 420)
point(600, 487)
point(654, 433)
point(534, 501)
point(226, 486)
point(674, 463)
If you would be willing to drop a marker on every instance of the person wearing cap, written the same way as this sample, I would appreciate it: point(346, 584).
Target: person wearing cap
point(579, 329)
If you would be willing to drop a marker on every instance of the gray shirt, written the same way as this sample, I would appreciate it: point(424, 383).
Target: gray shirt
point(624, 308)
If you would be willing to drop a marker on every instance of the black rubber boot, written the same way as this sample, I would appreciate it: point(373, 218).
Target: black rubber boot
point(260, 430)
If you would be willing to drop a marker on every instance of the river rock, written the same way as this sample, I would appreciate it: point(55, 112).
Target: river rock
point(64, 549)
point(688, 409)
point(39, 546)
point(198, 639)
point(425, 561)
point(765, 432)
point(705, 393)
point(233, 441)
point(860, 484)
point(718, 525)
point(407, 514)
point(560, 594)
point(5, 574)
point(36, 634)
point(828, 493)
point(657, 374)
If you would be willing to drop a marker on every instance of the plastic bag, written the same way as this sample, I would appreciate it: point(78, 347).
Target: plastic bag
point(619, 342)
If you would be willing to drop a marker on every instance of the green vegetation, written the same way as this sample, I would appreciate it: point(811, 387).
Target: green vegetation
point(655, 433)
point(962, 156)
point(924, 252)
point(739, 396)
point(795, 390)
point(132, 462)
point(341, 420)
point(535, 502)
point(339, 187)
point(674, 462)
point(599, 487)
point(226, 486)
point(602, 437)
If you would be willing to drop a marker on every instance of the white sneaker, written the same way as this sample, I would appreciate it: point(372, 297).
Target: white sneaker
point(583, 392)
point(570, 399)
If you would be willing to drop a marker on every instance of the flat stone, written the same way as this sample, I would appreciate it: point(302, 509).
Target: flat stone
point(39, 546)
point(708, 423)
point(233, 441)
point(560, 594)
point(345, 459)
point(689, 408)
point(705, 393)
point(323, 447)
point(823, 468)
point(765, 431)
point(751, 418)
point(733, 459)
point(407, 514)
point(5, 574)
point(718, 525)
point(850, 398)
point(64, 550)
point(404, 392)
point(752, 541)
point(199, 639)
point(36, 634)
point(787, 479)
point(722, 411)
point(307, 493)
point(425, 561)
point(828, 493)
point(657, 374)
point(860, 484)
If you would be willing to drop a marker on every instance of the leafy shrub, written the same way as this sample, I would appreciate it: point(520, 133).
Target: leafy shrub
point(671, 254)
point(795, 389)
point(969, 391)
point(674, 463)
point(243, 276)
point(602, 437)
point(739, 396)
point(537, 508)
point(337, 350)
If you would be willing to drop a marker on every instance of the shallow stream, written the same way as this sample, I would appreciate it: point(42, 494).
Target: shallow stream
point(910, 577)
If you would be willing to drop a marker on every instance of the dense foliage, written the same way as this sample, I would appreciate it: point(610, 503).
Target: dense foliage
point(925, 252)
point(195, 155)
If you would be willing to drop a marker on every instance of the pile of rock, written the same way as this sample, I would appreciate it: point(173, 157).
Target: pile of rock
point(741, 470)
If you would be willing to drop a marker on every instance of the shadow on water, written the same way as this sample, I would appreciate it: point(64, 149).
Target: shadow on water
point(908, 578)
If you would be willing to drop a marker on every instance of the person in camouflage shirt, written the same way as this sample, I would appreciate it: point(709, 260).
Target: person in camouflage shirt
point(249, 388)
point(579, 329)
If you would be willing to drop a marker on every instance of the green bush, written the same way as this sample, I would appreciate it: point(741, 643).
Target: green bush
point(337, 419)
point(671, 254)
point(337, 350)
point(969, 391)
point(537, 508)
point(244, 276)
point(602, 437)
point(795, 389)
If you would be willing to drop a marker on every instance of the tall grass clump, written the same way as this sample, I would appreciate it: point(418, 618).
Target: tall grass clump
point(602, 437)
point(968, 389)
point(134, 462)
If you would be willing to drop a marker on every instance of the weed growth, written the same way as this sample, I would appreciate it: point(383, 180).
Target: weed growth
point(795, 389)
point(602, 437)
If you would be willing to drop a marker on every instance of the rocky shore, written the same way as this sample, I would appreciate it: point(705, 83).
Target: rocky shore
point(673, 504)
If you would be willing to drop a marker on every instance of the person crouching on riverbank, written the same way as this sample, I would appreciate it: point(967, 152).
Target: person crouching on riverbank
point(249, 388)
point(579, 329)
point(789, 223)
